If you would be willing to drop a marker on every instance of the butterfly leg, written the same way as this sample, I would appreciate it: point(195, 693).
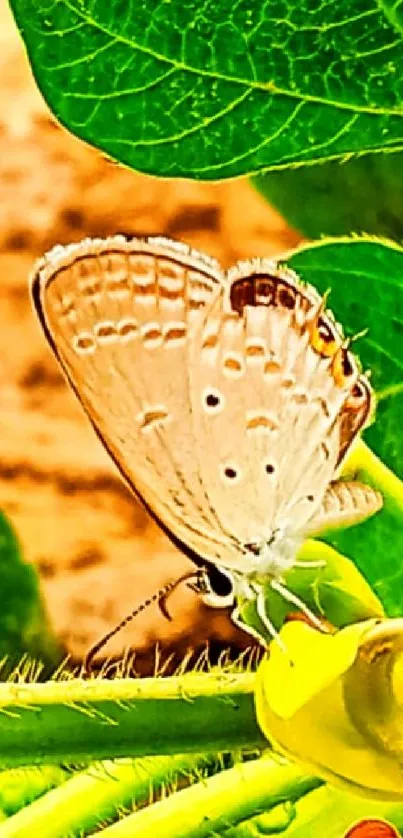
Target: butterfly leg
point(238, 622)
point(295, 600)
point(310, 565)
point(261, 610)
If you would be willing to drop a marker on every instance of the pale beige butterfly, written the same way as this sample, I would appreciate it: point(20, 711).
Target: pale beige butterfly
point(227, 400)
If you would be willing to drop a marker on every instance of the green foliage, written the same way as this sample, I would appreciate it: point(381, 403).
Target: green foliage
point(362, 194)
point(365, 278)
point(176, 89)
point(327, 811)
point(23, 624)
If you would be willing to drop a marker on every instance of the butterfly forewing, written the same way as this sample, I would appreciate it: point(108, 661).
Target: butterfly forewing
point(120, 316)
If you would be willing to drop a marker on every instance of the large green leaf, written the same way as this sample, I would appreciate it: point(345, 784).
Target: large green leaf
point(219, 89)
point(363, 194)
point(366, 281)
point(24, 628)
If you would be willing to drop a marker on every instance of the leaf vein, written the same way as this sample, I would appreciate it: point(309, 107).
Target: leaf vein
point(267, 86)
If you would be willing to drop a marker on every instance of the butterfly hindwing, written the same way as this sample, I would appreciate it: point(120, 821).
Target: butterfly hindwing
point(120, 317)
point(345, 503)
point(268, 399)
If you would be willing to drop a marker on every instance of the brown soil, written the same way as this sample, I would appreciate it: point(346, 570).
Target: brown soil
point(96, 550)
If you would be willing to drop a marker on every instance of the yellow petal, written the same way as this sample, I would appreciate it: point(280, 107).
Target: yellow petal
point(312, 661)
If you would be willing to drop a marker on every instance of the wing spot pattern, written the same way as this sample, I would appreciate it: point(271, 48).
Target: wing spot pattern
point(66, 306)
point(204, 285)
point(90, 288)
point(145, 290)
point(323, 405)
point(195, 303)
point(286, 296)
point(233, 365)
point(255, 349)
point(300, 397)
point(213, 400)
point(153, 417)
point(288, 382)
point(118, 288)
point(105, 332)
point(210, 342)
point(261, 422)
point(271, 367)
point(325, 450)
point(230, 473)
point(199, 290)
point(84, 343)
point(142, 268)
point(171, 289)
point(174, 333)
point(168, 273)
point(127, 330)
point(151, 335)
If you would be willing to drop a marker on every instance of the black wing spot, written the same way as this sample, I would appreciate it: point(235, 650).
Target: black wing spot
point(230, 473)
point(213, 401)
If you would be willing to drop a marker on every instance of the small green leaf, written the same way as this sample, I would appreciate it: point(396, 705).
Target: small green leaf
point(362, 194)
point(212, 91)
point(366, 281)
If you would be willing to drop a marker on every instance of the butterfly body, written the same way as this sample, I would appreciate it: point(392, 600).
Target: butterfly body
point(227, 400)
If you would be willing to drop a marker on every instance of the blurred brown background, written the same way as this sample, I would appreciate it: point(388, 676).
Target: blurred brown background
point(97, 552)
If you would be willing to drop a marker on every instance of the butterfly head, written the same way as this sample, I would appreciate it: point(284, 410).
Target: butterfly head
point(270, 557)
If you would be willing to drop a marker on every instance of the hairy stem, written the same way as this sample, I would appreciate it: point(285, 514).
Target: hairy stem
point(89, 798)
point(72, 721)
point(212, 806)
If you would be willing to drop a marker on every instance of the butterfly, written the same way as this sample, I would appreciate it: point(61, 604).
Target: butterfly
point(227, 400)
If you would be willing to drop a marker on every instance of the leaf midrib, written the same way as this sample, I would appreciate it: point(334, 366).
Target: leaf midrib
point(270, 87)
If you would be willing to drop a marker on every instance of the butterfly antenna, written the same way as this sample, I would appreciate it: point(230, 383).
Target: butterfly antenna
point(160, 596)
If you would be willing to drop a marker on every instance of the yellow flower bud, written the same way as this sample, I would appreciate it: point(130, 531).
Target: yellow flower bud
point(335, 703)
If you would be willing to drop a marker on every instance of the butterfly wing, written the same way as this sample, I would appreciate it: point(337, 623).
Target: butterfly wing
point(269, 396)
point(345, 503)
point(120, 316)
point(227, 405)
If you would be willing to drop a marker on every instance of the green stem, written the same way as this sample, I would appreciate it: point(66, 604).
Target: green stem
point(73, 721)
point(275, 820)
point(89, 798)
point(19, 786)
point(214, 805)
